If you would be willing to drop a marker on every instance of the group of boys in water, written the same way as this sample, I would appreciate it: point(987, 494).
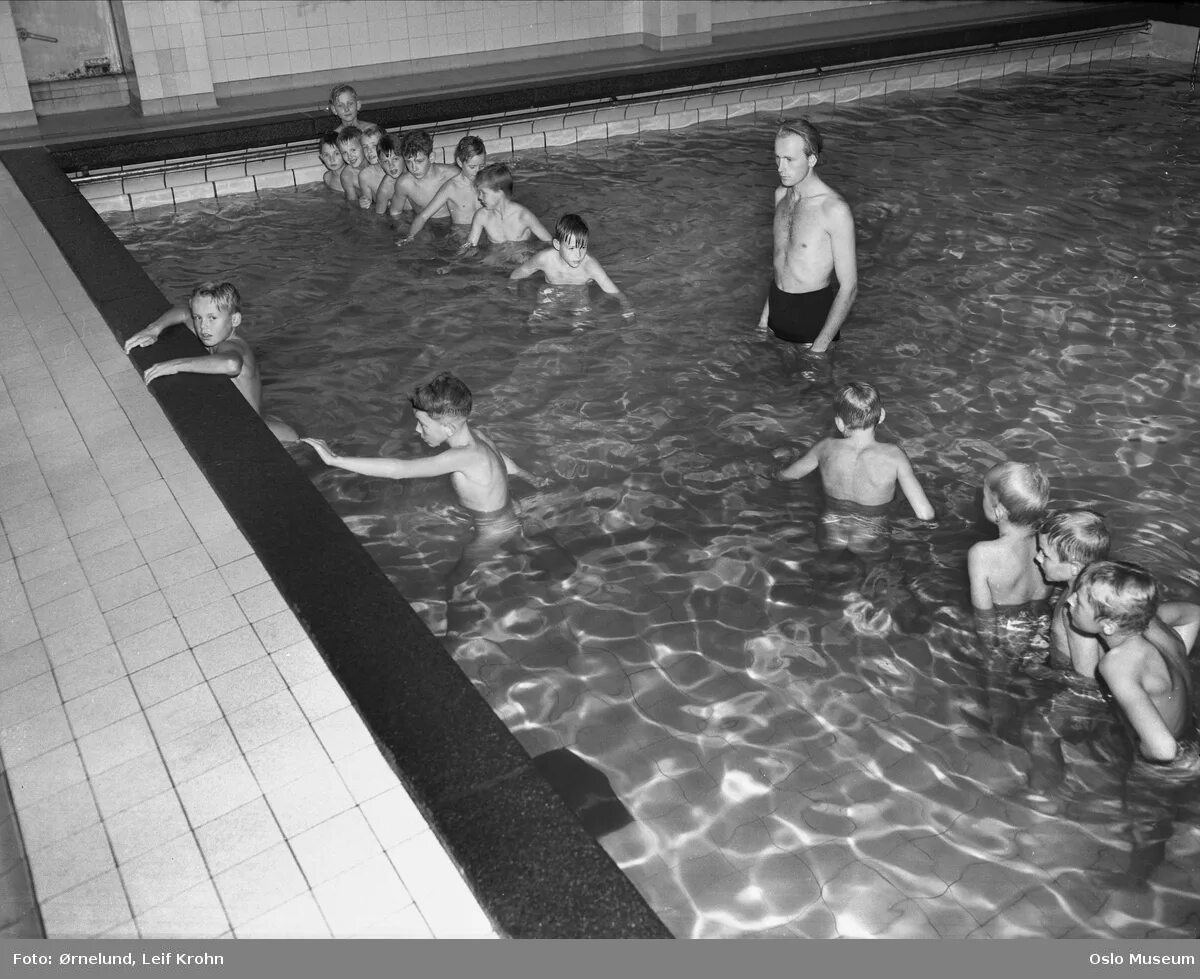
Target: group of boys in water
point(1108, 620)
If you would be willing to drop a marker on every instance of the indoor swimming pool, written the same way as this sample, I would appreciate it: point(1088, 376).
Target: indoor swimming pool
point(798, 746)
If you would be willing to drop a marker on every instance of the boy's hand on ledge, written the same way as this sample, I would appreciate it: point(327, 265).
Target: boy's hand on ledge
point(323, 450)
point(165, 369)
point(143, 338)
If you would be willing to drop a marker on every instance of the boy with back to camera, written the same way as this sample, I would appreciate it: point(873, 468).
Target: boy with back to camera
point(567, 262)
point(214, 314)
point(859, 474)
point(331, 156)
point(458, 194)
point(423, 178)
point(349, 143)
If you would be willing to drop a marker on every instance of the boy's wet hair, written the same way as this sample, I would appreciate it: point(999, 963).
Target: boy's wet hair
point(387, 146)
point(495, 176)
point(468, 147)
point(370, 129)
point(571, 228)
point(1078, 536)
point(857, 405)
point(418, 141)
point(329, 140)
point(443, 397)
point(1022, 489)
point(348, 135)
point(813, 140)
point(1124, 594)
point(340, 90)
point(223, 294)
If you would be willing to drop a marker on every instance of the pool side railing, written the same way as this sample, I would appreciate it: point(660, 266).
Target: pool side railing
point(213, 176)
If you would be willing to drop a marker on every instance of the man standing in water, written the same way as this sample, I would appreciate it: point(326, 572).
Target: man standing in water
point(814, 244)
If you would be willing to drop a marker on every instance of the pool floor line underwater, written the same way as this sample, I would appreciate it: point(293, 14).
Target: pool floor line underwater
point(531, 864)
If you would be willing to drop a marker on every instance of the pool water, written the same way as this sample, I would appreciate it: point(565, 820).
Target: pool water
point(807, 746)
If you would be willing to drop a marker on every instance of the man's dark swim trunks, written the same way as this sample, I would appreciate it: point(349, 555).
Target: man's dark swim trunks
point(798, 317)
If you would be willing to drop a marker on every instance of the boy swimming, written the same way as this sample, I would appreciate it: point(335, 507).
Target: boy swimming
point(501, 218)
point(214, 314)
point(567, 262)
point(859, 474)
point(458, 195)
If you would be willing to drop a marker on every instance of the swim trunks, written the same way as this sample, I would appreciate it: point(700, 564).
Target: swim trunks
point(856, 527)
point(798, 317)
point(493, 529)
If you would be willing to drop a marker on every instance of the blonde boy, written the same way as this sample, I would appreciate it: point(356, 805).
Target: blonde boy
point(859, 474)
point(372, 174)
point(344, 103)
point(1004, 577)
point(1067, 542)
point(350, 146)
point(214, 314)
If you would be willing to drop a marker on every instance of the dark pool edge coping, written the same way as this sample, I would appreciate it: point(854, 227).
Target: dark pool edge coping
point(533, 868)
point(487, 97)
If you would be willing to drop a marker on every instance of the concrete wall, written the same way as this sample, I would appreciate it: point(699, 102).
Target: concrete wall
point(189, 54)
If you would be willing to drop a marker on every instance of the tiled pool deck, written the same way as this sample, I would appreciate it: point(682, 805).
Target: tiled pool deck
point(181, 759)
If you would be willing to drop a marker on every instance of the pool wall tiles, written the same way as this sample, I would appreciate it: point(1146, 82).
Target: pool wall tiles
point(297, 164)
point(252, 45)
point(16, 104)
point(166, 44)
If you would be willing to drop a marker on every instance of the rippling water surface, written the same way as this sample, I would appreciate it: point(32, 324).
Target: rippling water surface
point(807, 747)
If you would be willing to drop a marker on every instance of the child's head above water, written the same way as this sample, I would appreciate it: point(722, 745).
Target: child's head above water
point(1114, 596)
point(216, 309)
point(369, 136)
point(415, 149)
point(1021, 489)
point(1068, 540)
point(349, 143)
point(470, 155)
point(444, 397)
point(857, 405)
point(389, 156)
point(571, 229)
point(343, 103)
point(495, 176)
point(331, 156)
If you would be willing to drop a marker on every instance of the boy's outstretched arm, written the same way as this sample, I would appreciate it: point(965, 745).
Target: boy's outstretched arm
point(514, 470)
point(806, 464)
point(438, 465)
point(527, 268)
point(600, 277)
point(1156, 742)
point(430, 209)
point(175, 316)
point(536, 226)
point(912, 489)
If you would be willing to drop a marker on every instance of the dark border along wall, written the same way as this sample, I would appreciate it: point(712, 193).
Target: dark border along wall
point(534, 869)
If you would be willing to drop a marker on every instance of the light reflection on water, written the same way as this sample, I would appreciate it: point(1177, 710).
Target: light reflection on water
point(808, 747)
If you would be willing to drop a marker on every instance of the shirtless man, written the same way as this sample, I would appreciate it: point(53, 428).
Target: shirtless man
point(814, 240)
